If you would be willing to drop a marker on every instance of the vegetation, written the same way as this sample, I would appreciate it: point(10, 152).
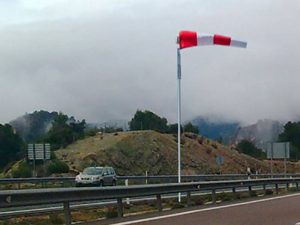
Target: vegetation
point(190, 128)
point(33, 126)
point(57, 166)
point(11, 145)
point(64, 131)
point(173, 128)
point(148, 120)
point(291, 134)
point(248, 148)
point(112, 212)
point(23, 170)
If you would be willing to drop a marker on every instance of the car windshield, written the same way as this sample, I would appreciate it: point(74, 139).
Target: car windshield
point(92, 171)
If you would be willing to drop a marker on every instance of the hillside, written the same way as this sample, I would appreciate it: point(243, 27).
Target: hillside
point(133, 153)
point(260, 133)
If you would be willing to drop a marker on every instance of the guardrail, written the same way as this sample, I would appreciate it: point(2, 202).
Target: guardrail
point(15, 198)
point(144, 179)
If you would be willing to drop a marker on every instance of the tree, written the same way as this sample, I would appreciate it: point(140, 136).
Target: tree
point(33, 126)
point(64, 131)
point(190, 128)
point(248, 148)
point(173, 128)
point(11, 145)
point(148, 120)
point(291, 134)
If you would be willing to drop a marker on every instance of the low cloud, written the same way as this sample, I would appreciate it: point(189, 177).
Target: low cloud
point(103, 60)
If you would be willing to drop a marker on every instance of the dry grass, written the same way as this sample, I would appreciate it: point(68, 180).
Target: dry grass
point(134, 153)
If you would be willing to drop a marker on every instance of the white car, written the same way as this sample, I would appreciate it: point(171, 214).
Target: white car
point(96, 176)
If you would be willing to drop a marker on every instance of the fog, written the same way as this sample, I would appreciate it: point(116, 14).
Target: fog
point(103, 60)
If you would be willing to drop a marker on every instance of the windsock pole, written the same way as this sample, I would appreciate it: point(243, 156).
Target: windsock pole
point(179, 117)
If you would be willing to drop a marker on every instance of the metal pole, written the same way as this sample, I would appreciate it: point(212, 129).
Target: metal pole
point(271, 159)
point(34, 157)
point(67, 212)
point(285, 156)
point(179, 116)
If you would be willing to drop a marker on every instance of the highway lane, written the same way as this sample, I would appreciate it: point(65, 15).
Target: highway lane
point(281, 210)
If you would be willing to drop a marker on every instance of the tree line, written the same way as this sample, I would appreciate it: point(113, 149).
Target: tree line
point(65, 130)
point(147, 120)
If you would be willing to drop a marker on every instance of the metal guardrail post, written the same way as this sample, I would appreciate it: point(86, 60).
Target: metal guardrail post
point(67, 212)
point(287, 186)
point(159, 204)
point(277, 189)
point(188, 198)
point(234, 192)
point(264, 187)
point(297, 186)
point(127, 199)
point(213, 196)
point(250, 188)
point(120, 207)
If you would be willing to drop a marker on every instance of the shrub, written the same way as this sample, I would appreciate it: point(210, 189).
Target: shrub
point(293, 189)
point(52, 155)
point(214, 145)
point(200, 140)
point(22, 171)
point(57, 166)
point(177, 205)
point(269, 192)
point(199, 201)
point(224, 196)
point(253, 194)
point(208, 151)
point(56, 219)
point(112, 212)
point(237, 195)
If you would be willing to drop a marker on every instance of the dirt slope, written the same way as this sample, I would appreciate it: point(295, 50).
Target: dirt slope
point(133, 153)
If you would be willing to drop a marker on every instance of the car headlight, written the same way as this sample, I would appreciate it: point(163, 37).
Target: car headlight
point(77, 178)
point(95, 178)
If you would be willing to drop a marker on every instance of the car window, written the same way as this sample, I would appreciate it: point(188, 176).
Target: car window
point(112, 172)
point(105, 171)
point(92, 171)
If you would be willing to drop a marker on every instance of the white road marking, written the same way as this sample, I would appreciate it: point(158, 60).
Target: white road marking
point(206, 209)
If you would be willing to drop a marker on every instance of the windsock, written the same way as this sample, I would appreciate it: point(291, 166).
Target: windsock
point(188, 39)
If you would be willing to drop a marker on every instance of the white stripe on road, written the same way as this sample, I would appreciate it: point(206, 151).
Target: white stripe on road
point(207, 209)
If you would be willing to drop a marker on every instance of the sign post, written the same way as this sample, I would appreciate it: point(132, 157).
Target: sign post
point(278, 150)
point(38, 152)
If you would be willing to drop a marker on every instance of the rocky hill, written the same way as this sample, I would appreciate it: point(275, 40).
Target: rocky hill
point(133, 153)
point(260, 133)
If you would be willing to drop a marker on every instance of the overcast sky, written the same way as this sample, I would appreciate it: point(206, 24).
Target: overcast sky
point(102, 60)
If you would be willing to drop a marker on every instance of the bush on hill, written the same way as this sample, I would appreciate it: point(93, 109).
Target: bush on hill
point(248, 148)
point(57, 166)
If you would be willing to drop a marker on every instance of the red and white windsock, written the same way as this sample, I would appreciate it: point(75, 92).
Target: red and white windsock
point(188, 39)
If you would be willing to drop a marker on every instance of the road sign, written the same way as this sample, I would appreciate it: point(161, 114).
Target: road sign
point(219, 160)
point(38, 151)
point(278, 150)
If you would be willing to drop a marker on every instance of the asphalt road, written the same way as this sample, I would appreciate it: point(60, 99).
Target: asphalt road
point(281, 210)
